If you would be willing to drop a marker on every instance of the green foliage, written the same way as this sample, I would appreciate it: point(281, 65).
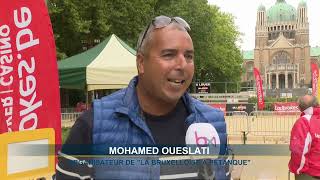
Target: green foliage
point(252, 100)
point(217, 57)
point(272, 99)
point(64, 134)
point(127, 19)
point(95, 12)
point(68, 25)
point(268, 101)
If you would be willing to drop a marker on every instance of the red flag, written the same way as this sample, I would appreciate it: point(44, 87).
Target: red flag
point(29, 89)
point(259, 89)
point(315, 74)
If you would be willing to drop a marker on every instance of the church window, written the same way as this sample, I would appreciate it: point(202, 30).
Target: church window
point(292, 34)
point(281, 57)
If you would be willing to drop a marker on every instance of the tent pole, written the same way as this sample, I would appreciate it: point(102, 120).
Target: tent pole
point(87, 98)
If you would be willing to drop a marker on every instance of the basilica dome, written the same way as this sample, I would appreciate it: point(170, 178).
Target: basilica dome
point(281, 11)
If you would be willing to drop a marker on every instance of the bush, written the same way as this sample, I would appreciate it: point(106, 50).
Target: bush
point(272, 100)
point(64, 134)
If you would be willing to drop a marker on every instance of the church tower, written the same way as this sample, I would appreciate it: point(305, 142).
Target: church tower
point(261, 30)
point(261, 37)
point(302, 24)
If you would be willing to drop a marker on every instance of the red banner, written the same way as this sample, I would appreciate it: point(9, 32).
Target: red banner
point(260, 97)
point(29, 88)
point(222, 107)
point(315, 74)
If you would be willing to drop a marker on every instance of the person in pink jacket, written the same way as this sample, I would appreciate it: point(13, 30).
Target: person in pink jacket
point(305, 140)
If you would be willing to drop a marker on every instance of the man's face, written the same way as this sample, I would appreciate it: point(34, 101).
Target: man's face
point(167, 68)
point(307, 99)
point(306, 102)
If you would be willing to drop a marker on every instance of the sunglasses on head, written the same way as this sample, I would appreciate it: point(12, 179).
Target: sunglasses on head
point(163, 21)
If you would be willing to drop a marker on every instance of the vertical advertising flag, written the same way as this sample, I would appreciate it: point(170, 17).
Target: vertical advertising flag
point(317, 94)
point(260, 97)
point(314, 76)
point(29, 89)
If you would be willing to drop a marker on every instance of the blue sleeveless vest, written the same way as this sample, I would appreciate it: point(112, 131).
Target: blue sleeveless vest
point(117, 121)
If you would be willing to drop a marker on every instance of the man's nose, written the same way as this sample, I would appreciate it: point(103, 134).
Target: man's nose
point(181, 62)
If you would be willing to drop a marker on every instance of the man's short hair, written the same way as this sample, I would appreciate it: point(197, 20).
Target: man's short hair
point(305, 104)
point(148, 35)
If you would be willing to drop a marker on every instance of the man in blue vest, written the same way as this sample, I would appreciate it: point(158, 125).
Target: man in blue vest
point(154, 109)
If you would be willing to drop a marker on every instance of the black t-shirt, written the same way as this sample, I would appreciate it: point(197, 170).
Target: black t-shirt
point(169, 129)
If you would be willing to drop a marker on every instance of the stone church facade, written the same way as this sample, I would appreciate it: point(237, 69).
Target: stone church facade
point(282, 52)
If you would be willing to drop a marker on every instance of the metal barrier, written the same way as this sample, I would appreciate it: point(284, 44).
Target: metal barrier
point(70, 116)
point(68, 110)
point(237, 122)
point(260, 126)
point(271, 123)
point(240, 125)
point(221, 97)
point(68, 119)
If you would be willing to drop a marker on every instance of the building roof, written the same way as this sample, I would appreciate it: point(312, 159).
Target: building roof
point(315, 51)
point(248, 55)
point(302, 3)
point(261, 8)
point(281, 11)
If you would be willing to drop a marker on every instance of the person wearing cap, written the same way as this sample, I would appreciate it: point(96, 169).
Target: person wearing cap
point(155, 108)
point(305, 140)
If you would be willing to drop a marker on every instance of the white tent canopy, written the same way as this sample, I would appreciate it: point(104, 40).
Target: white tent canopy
point(113, 68)
point(109, 65)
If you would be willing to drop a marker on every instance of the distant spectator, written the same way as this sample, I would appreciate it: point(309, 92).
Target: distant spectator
point(305, 140)
point(81, 107)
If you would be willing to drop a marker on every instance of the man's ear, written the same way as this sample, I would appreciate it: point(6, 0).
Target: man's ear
point(140, 63)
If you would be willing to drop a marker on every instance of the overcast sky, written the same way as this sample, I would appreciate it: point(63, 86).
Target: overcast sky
point(245, 12)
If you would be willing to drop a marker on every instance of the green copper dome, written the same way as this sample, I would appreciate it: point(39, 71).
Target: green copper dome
point(281, 11)
point(302, 3)
point(261, 8)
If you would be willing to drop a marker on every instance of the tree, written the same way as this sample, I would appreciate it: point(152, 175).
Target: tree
point(217, 57)
point(127, 19)
point(81, 23)
point(95, 12)
point(68, 26)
